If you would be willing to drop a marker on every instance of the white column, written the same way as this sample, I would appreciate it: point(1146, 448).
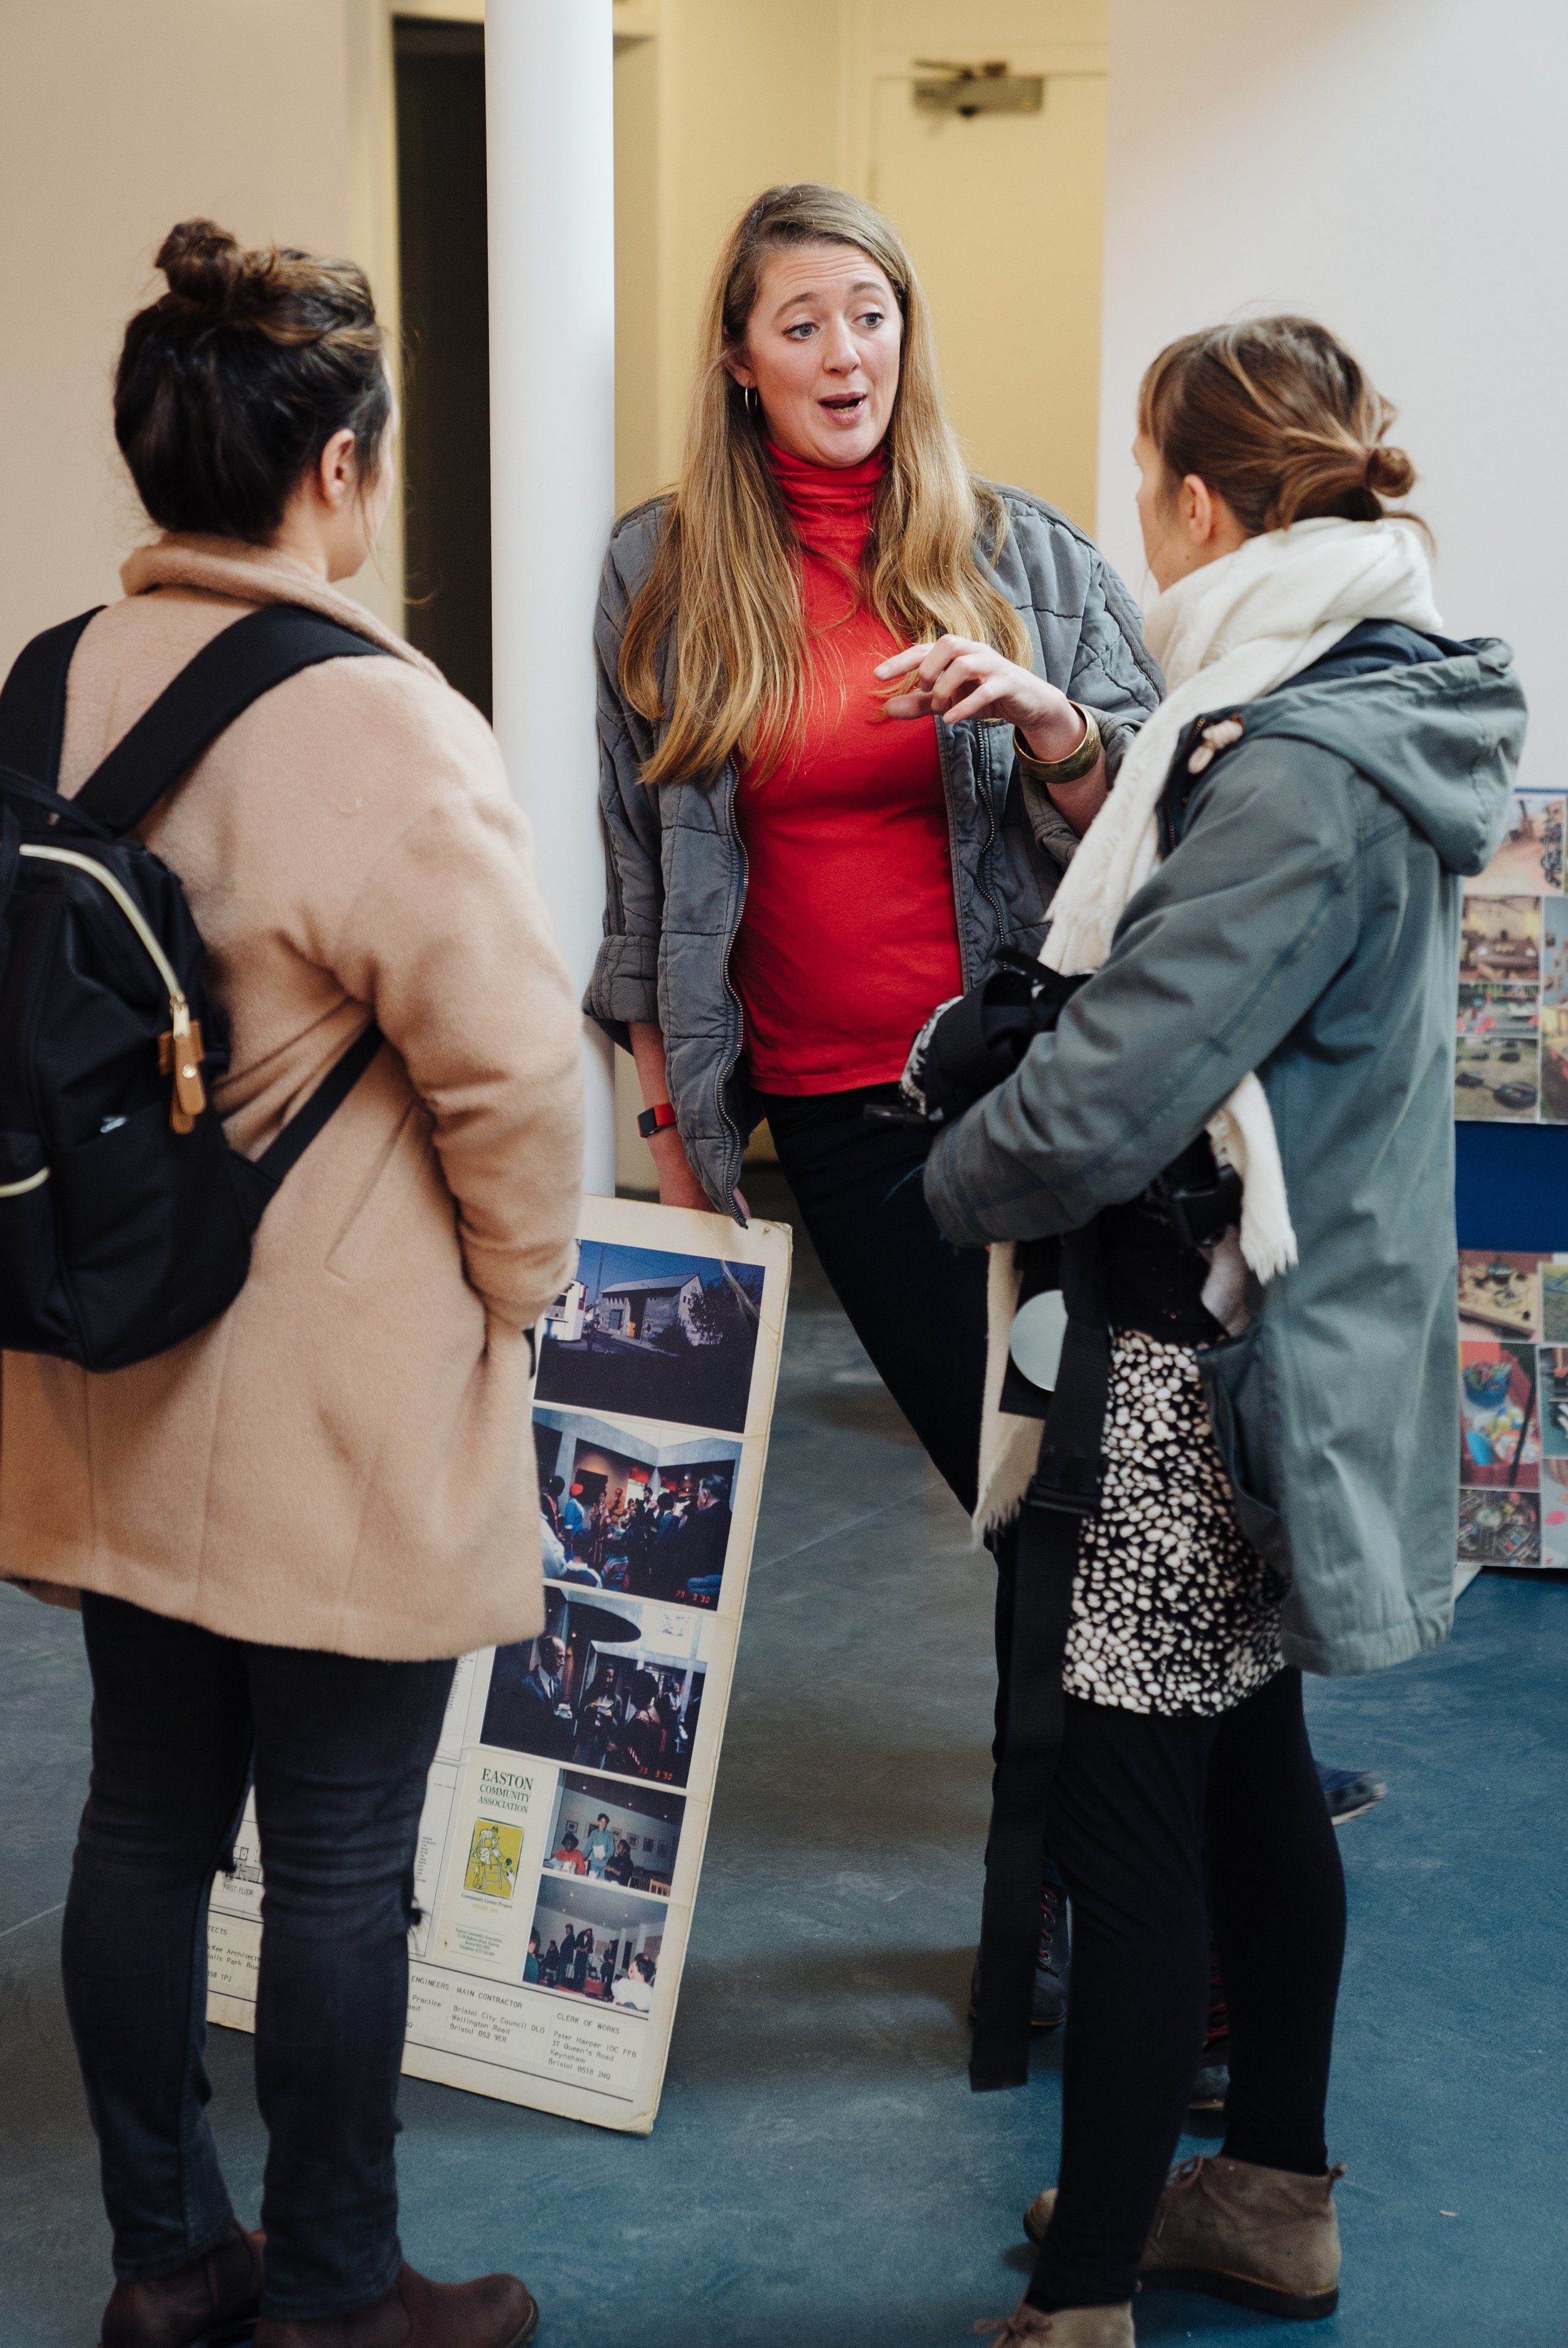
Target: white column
point(550, 125)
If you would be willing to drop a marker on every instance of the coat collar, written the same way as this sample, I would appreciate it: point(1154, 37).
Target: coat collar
point(244, 573)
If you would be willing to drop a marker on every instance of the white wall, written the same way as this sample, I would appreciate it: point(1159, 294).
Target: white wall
point(115, 122)
point(1398, 168)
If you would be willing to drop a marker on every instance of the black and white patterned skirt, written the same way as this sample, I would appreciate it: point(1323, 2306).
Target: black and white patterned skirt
point(1173, 1610)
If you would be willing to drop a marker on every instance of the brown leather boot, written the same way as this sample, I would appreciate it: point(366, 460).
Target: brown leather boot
point(204, 2305)
point(496, 2311)
point(1069, 2327)
point(1262, 2238)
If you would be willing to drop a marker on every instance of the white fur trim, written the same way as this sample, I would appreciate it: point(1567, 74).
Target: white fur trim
point(1009, 1446)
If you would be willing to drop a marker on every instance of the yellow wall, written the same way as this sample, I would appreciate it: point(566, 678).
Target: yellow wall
point(115, 122)
point(727, 97)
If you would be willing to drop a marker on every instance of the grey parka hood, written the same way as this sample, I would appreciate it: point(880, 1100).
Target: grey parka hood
point(1440, 738)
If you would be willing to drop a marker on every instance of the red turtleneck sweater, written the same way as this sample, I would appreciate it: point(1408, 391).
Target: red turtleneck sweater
point(849, 936)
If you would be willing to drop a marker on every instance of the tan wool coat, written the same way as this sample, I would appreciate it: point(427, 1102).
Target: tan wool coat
point(343, 1461)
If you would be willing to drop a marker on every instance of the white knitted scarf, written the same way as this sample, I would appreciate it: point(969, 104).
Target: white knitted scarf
point(1224, 635)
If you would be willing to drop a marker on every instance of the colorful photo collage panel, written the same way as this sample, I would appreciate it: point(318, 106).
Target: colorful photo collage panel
point(1511, 1056)
point(1513, 1411)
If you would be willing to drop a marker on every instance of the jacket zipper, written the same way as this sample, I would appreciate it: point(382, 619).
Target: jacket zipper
point(944, 748)
point(942, 761)
point(190, 1098)
point(986, 845)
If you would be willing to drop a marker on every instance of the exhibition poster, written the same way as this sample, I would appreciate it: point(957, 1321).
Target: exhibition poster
point(567, 1805)
point(1513, 1410)
point(1511, 1054)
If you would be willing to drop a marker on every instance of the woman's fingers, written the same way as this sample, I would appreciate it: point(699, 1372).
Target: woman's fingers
point(928, 660)
point(956, 679)
point(988, 691)
point(902, 661)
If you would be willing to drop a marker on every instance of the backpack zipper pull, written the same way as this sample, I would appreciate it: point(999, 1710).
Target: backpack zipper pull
point(184, 1041)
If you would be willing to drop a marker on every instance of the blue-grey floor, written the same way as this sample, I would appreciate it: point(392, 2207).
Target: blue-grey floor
point(820, 2173)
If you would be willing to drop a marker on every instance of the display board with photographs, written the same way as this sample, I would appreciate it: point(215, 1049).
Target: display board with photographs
point(1511, 1053)
point(1513, 1411)
point(567, 1805)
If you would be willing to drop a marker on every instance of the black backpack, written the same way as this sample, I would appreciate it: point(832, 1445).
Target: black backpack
point(125, 1219)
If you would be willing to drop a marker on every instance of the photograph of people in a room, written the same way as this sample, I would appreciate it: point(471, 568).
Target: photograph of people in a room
point(635, 1512)
point(604, 1832)
point(607, 1684)
point(595, 1941)
point(1530, 861)
point(659, 1335)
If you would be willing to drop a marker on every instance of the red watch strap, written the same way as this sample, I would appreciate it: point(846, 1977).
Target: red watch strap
point(654, 1120)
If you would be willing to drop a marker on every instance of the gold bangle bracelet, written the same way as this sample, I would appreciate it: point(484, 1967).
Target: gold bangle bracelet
point(1076, 764)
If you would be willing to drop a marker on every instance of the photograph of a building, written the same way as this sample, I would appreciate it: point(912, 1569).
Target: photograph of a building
point(657, 1334)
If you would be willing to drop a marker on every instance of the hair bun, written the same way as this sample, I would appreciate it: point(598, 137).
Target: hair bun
point(1389, 472)
point(204, 265)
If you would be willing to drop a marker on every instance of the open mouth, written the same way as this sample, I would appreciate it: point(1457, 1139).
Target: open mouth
point(845, 407)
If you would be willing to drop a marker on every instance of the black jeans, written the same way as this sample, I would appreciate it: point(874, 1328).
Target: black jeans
point(917, 1304)
point(340, 1748)
point(1159, 1825)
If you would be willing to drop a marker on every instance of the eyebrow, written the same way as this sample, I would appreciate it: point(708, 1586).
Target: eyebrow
point(813, 293)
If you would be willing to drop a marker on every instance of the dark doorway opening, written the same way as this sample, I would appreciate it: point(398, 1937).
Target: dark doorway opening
point(442, 268)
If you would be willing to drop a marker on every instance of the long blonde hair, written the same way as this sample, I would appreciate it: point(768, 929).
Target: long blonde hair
point(725, 577)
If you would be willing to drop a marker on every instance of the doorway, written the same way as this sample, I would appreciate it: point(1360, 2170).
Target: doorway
point(442, 274)
point(1003, 209)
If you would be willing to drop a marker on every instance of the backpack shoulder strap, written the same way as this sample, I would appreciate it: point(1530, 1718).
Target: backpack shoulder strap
point(238, 666)
point(33, 700)
point(256, 1180)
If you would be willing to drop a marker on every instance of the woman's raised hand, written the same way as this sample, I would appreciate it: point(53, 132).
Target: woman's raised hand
point(954, 679)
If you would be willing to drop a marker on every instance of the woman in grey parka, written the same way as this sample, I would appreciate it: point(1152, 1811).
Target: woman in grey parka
point(1268, 909)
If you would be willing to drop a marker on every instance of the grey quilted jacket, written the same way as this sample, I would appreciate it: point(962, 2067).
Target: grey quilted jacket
point(677, 870)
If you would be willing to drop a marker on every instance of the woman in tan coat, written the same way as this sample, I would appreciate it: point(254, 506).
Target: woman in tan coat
point(285, 1528)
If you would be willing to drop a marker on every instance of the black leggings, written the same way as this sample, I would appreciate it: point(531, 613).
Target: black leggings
point(917, 1304)
point(1159, 1827)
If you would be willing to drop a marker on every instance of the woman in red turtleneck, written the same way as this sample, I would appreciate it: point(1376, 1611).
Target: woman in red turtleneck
point(832, 986)
point(812, 842)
